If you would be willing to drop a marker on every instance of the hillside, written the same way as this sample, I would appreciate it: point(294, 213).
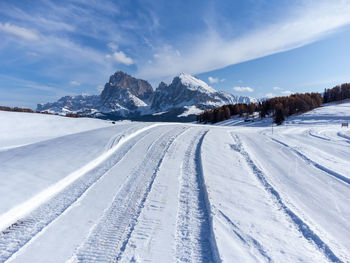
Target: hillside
point(160, 192)
point(331, 113)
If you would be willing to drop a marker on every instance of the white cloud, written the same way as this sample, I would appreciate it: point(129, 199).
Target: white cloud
point(112, 46)
point(120, 57)
point(213, 80)
point(74, 83)
point(18, 31)
point(32, 54)
point(287, 92)
point(243, 89)
point(270, 95)
point(310, 22)
point(276, 88)
point(62, 57)
point(100, 88)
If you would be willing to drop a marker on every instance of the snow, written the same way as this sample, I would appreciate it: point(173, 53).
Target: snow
point(161, 192)
point(195, 84)
point(138, 102)
point(159, 113)
point(24, 208)
point(328, 114)
point(18, 129)
point(190, 110)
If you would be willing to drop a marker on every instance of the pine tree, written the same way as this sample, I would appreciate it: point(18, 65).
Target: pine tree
point(279, 114)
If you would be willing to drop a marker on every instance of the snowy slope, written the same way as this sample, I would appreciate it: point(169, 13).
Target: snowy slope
point(195, 84)
point(158, 192)
point(24, 128)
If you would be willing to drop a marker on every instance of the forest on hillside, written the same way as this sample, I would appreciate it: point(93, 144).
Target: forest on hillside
point(338, 93)
point(279, 108)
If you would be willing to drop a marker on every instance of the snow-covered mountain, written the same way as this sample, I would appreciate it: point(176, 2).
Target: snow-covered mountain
point(188, 92)
point(79, 103)
point(127, 97)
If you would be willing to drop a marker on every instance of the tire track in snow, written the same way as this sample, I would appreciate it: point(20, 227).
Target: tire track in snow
point(13, 238)
point(246, 239)
point(344, 136)
point(195, 241)
point(303, 228)
point(318, 136)
point(110, 236)
point(115, 140)
point(333, 174)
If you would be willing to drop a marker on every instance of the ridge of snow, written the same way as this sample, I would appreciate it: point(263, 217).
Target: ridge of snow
point(190, 110)
point(138, 102)
point(195, 83)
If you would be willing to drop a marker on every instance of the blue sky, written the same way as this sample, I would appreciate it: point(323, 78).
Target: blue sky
point(257, 48)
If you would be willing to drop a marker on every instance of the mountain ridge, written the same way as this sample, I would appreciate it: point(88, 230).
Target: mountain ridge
point(126, 97)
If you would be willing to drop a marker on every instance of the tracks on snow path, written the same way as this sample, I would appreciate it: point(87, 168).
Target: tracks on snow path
point(318, 136)
point(245, 238)
point(344, 136)
point(195, 241)
point(18, 234)
point(315, 164)
point(109, 238)
point(301, 226)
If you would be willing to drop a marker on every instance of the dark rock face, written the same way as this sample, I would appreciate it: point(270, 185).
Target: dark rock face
point(121, 81)
point(125, 94)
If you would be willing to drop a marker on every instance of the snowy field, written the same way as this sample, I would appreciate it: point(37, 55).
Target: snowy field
point(85, 190)
point(18, 129)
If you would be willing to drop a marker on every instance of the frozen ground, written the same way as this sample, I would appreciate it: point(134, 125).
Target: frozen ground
point(157, 192)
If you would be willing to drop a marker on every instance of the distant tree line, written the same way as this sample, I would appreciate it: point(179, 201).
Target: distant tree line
point(17, 109)
point(337, 93)
point(279, 108)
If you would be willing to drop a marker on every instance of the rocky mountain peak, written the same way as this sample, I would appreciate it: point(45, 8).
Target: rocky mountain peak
point(124, 92)
point(186, 90)
point(120, 80)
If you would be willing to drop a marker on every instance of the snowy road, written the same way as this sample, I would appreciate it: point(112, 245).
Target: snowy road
point(143, 192)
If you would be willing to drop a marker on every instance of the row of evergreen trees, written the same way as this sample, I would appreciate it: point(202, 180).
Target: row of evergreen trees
point(337, 93)
point(279, 108)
